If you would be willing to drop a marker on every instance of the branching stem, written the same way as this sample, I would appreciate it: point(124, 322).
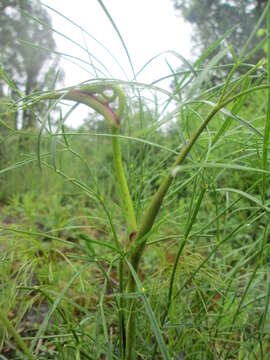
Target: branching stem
point(96, 97)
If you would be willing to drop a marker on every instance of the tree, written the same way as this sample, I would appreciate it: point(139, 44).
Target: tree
point(212, 18)
point(25, 64)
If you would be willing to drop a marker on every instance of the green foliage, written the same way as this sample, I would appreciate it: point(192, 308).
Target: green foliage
point(200, 288)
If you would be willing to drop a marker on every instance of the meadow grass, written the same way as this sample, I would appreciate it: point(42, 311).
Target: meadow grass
point(155, 248)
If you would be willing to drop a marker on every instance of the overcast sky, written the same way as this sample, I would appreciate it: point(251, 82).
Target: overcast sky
point(148, 28)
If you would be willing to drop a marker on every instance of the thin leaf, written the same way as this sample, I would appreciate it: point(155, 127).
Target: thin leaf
point(45, 322)
point(153, 321)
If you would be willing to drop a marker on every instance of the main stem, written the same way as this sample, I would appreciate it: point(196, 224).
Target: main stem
point(122, 182)
point(95, 96)
point(131, 222)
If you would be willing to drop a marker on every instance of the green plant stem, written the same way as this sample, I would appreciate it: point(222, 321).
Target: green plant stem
point(94, 95)
point(179, 252)
point(122, 182)
point(148, 221)
point(153, 209)
point(11, 329)
point(130, 219)
point(192, 220)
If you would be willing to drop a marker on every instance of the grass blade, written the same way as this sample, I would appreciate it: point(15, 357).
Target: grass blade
point(267, 122)
point(151, 316)
point(16, 336)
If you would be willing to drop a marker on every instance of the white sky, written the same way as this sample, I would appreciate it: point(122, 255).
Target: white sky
point(148, 27)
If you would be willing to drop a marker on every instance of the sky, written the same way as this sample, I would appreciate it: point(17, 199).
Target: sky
point(148, 28)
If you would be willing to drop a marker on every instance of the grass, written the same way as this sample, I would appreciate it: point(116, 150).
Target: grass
point(81, 280)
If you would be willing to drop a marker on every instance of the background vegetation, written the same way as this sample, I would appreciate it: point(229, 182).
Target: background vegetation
point(59, 282)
